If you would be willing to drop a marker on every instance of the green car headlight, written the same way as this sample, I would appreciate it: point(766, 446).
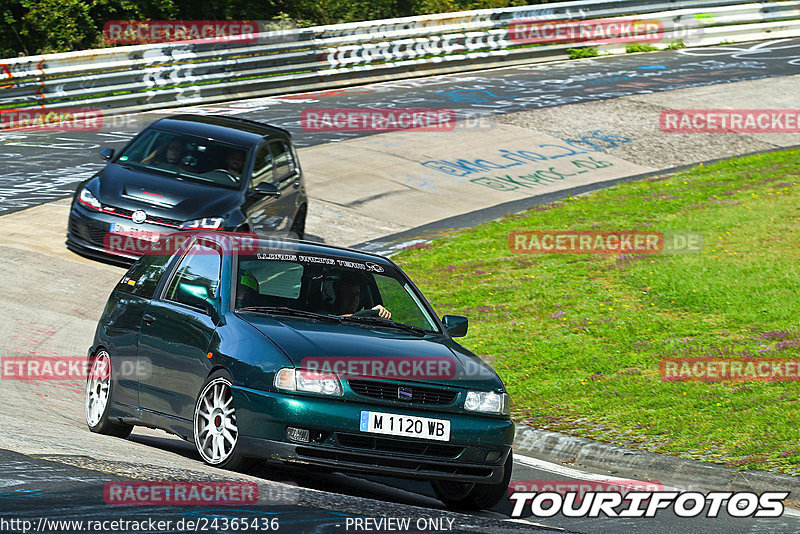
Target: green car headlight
point(487, 402)
point(308, 381)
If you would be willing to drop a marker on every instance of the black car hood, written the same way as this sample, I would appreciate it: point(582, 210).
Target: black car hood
point(306, 340)
point(162, 195)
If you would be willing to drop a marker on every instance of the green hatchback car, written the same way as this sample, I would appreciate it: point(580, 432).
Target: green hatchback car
point(299, 352)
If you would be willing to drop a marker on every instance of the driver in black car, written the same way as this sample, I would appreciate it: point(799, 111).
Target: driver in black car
point(348, 300)
point(234, 162)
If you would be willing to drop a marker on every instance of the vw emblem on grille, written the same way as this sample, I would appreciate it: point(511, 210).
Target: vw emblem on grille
point(139, 216)
point(404, 394)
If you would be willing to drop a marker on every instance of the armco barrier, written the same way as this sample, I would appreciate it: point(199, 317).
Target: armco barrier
point(138, 78)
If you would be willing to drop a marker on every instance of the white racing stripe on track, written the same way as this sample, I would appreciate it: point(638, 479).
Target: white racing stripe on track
point(791, 512)
point(557, 469)
point(565, 471)
point(532, 523)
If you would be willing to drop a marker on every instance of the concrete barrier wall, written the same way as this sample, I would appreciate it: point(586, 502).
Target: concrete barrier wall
point(144, 77)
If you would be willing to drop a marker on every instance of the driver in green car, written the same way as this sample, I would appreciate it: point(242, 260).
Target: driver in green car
point(348, 299)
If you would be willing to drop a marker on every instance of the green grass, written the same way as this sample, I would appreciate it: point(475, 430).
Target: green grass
point(578, 338)
point(582, 52)
point(639, 47)
point(676, 45)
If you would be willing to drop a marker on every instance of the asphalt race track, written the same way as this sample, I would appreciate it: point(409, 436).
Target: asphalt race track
point(53, 467)
point(52, 491)
point(41, 167)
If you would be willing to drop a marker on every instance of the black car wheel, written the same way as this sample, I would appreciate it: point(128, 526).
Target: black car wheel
point(471, 496)
point(98, 398)
point(216, 434)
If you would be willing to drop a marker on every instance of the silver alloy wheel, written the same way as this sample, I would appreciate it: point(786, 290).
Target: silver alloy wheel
point(97, 388)
point(215, 430)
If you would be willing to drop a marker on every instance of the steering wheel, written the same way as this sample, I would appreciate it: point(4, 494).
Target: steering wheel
point(231, 176)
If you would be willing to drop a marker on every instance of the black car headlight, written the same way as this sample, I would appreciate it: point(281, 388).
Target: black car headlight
point(87, 199)
point(207, 223)
point(308, 381)
point(487, 402)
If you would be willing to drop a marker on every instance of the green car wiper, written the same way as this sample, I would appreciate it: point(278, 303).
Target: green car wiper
point(284, 310)
point(377, 321)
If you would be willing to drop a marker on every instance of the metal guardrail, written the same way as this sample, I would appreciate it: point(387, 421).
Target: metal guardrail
point(144, 77)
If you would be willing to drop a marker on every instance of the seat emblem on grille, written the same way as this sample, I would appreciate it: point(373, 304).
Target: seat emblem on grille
point(404, 394)
point(139, 216)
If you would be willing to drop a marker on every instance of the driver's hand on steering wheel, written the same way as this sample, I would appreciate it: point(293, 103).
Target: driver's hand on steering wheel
point(383, 313)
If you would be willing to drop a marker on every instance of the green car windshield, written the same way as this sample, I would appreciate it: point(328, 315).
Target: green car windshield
point(329, 286)
point(187, 157)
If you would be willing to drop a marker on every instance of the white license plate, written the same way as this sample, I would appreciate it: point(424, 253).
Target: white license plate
point(405, 425)
point(133, 231)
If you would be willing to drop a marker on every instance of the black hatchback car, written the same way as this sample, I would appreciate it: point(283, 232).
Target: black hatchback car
point(304, 353)
point(191, 172)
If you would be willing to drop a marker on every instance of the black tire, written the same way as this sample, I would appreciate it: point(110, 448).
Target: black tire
point(298, 230)
point(97, 404)
point(473, 497)
point(224, 454)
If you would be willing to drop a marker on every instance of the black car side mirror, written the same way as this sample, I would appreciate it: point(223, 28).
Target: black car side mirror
point(107, 153)
point(268, 189)
point(456, 325)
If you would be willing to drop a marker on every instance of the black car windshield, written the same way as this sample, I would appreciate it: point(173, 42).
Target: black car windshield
point(187, 157)
point(280, 283)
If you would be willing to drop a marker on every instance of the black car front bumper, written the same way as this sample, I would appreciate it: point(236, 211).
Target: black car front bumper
point(88, 234)
point(375, 462)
